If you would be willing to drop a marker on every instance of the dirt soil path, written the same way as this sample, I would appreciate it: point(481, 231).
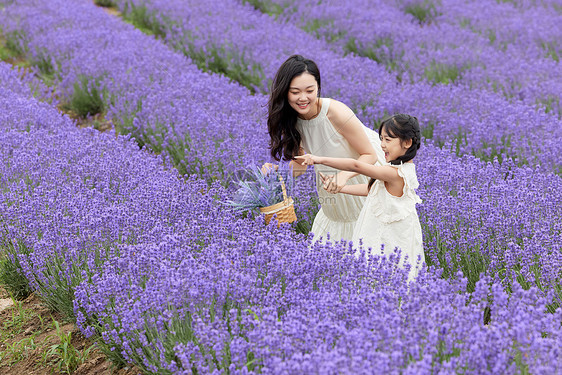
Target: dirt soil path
point(28, 333)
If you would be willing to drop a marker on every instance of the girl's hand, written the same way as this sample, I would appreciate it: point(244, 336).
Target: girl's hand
point(268, 167)
point(333, 183)
point(307, 159)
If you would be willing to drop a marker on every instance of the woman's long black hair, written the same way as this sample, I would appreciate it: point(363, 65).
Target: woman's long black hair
point(404, 127)
point(285, 139)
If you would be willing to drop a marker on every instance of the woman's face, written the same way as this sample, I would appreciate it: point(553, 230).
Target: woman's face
point(303, 95)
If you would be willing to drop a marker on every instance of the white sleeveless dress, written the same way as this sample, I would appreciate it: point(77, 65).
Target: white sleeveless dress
point(392, 221)
point(338, 212)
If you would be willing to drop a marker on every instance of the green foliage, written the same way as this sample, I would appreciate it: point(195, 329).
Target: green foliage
point(13, 49)
point(427, 130)
point(152, 136)
point(88, 98)
point(15, 43)
point(492, 36)
point(216, 59)
point(13, 326)
point(105, 3)
point(59, 294)
point(145, 20)
point(267, 7)
point(424, 12)
point(7, 54)
point(11, 274)
point(472, 262)
point(306, 219)
point(20, 316)
point(67, 357)
point(381, 51)
point(323, 29)
point(550, 49)
point(441, 73)
point(17, 351)
point(44, 63)
point(227, 62)
point(179, 330)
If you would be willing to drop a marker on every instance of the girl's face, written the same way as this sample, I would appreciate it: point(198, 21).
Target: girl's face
point(303, 95)
point(393, 147)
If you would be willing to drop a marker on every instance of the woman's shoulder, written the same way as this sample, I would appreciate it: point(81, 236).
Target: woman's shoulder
point(337, 111)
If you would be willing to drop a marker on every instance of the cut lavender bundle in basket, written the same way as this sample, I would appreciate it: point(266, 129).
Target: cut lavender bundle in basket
point(257, 190)
point(270, 192)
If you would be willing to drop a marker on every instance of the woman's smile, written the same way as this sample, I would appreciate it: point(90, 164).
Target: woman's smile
point(303, 94)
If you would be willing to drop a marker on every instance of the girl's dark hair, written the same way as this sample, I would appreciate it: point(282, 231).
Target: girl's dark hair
point(404, 127)
point(285, 139)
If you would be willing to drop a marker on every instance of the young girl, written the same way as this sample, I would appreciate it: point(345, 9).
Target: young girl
point(389, 216)
point(300, 121)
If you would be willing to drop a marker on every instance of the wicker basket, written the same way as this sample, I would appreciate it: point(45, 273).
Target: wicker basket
point(284, 210)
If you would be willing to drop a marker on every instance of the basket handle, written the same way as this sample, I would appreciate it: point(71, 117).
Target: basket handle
point(283, 187)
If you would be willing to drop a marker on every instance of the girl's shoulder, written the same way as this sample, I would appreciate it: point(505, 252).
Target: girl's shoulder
point(408, 173)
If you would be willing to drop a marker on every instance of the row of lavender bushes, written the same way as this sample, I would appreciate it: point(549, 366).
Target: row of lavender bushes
point(481, 123)
point(165, 277)
point(505, 47)
point(236, 38)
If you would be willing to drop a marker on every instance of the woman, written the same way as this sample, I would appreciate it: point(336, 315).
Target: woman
point(300, 121)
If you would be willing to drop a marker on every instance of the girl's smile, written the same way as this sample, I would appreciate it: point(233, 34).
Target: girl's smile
point(392, 146)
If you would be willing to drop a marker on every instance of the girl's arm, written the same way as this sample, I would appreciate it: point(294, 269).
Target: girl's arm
point(379, 172)
point(359, 189)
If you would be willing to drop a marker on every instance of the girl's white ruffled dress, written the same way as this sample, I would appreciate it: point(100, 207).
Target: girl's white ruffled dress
point(339, 212)
point(392, 221)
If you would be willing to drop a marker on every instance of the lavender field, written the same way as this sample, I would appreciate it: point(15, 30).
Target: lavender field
point(126, 233)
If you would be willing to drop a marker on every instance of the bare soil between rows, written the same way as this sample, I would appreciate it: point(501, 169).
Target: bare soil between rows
point(28, 332)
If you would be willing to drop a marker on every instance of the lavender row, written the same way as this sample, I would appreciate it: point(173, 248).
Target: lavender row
point(279, 307)
point(148, 116)
point(147, 90)
point(482, 123)
point(515, 54)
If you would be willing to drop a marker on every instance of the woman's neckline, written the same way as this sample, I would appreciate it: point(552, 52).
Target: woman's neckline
point(321, 103)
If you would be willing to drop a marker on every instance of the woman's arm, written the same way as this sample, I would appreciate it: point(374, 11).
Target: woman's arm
point(352, 129)
point(298, 169)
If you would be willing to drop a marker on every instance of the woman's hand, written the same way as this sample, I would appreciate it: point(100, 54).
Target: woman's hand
point(268, 167)
point(334, 183)
point(306, 159)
